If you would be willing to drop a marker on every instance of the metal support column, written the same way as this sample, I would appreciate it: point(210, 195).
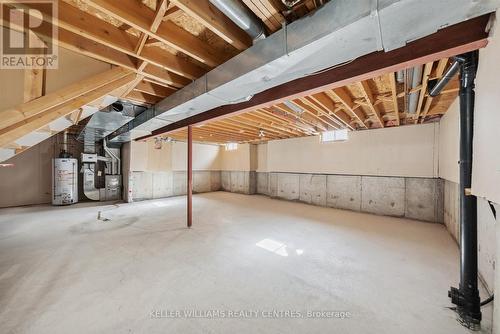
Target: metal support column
point(190, 177)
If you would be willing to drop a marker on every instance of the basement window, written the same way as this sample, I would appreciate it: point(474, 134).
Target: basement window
point(231, 146)
point(334, 135)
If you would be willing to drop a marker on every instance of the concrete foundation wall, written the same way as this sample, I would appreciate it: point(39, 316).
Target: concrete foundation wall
point(150, 185)
point(239, 182)
point(416, 198)
point(485, 230)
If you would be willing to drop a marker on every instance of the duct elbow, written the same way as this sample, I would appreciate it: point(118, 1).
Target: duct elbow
point(242, 17)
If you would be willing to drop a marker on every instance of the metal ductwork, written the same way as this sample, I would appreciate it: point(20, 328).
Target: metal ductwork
point(435, 87)
point(242, 17)
point(416, 80)
point(338, 32)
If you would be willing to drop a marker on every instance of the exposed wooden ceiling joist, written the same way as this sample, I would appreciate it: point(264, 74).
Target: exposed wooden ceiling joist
point(463, 37)
point(140, 17)
point(38, 113)
point(216, 21)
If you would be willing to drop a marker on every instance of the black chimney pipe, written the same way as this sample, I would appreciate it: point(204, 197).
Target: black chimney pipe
point(466, 296)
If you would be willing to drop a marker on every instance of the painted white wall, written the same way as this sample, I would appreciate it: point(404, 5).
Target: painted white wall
point(496, 307)
point(402, 151)
point(486, 160)
point(486, 151)
point(449, 133)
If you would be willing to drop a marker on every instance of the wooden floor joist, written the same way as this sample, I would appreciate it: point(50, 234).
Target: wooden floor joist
point(36, 114)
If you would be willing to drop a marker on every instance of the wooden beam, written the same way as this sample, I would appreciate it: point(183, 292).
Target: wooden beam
point(77, 116)
point(161, 9)
point(323, 111)
point(215, 20)
point(77, 21)
point(84, 46)
point(439, 73)
point(368, 95)
point(456, 39)
point(143, 97)
point(34, 84)
point(392, 83)
point(26, 110)
point(341, 95)
point(423, 90)
point(41, 119)
point(327, 103)
point(153, 89)
point(139, 16)
point(265, 10)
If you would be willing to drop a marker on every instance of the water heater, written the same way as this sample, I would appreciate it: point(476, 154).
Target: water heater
point(64, 181)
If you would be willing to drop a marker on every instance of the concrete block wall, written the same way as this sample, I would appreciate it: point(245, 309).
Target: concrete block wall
point(416, 198)
point(150, 185)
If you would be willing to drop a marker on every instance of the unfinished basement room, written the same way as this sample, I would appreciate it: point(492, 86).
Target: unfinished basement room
point(249, 166)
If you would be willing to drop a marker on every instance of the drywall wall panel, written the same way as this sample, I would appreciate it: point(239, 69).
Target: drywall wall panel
point(486, 242)
point(29, 180)
point(399, 151)
point(449, 135)
point(486, 158)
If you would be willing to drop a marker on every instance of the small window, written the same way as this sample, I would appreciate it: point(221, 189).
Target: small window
point(231, 146)
point(334, 135)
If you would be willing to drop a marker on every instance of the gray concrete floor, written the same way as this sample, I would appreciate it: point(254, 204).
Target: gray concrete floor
point(64, 271)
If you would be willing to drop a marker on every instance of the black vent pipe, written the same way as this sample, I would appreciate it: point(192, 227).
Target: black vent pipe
point(466, 296)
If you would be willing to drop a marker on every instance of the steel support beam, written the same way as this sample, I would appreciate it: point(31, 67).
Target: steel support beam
point(190, 177)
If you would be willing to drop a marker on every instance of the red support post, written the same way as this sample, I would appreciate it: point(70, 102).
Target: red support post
point(190, 178)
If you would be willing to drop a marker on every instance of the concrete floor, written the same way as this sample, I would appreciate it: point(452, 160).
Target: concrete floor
point(64, 271)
